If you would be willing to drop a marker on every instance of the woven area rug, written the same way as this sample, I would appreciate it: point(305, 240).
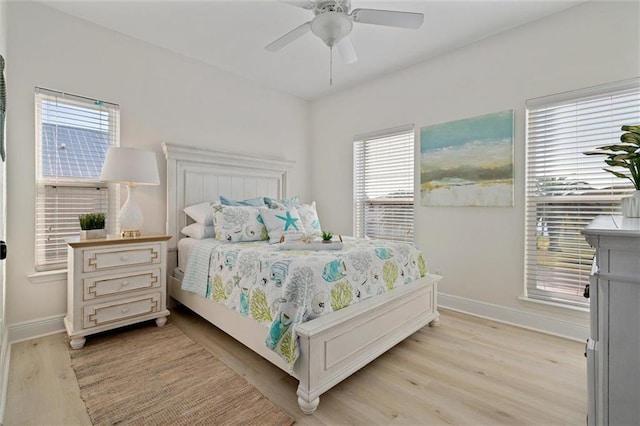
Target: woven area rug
point(158, 376)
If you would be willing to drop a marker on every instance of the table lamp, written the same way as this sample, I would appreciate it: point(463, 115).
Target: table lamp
point(132, 167)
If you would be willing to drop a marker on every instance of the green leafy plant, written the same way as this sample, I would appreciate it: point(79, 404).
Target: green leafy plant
point(326, 236)
point(90, 221)
point(625, 155)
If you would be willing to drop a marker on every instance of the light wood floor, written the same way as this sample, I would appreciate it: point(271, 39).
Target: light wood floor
point(464, 371)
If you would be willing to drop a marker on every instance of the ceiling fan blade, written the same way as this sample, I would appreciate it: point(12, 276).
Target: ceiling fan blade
point(305, 4)
point(289, 37)
point(390, 18)
point(346, 50)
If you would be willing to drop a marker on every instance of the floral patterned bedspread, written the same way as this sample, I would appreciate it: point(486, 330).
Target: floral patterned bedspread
point(282, 288)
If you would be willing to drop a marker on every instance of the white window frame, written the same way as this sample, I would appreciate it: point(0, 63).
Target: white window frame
point(566, 189)
point(59, 198)
point(384, 185)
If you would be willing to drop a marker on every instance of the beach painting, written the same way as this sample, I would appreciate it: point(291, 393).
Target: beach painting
point(468, 162)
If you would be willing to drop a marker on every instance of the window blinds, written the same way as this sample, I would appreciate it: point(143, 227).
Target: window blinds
point(72, 137)
point(383, 184)
point(566, 189)
point(57, 211)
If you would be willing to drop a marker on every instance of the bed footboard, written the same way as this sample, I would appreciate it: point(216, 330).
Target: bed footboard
point(335, 346)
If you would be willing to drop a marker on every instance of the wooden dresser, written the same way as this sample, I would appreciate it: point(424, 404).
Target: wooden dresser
point(613, 349)
point(114, 282)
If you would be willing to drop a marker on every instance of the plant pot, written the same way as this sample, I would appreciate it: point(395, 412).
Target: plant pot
point(92, 234)
point(631, 205)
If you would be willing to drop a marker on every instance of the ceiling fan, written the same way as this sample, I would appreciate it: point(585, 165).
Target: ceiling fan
point(333, 23)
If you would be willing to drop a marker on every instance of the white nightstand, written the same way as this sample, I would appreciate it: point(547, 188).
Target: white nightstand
point(114, 282)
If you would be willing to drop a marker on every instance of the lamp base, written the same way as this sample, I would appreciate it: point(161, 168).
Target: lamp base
point(130, 216)
point(130, 234)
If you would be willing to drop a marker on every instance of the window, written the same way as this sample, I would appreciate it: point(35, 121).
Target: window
point(72, 137)
point(566, 189)
point(383, 167)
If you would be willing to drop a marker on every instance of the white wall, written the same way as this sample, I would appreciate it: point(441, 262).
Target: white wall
point(479, 250)
point(163, 97)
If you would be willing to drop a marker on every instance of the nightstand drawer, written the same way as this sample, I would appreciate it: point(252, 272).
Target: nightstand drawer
point(101, 259)
point(108, 285)
point(95, 315)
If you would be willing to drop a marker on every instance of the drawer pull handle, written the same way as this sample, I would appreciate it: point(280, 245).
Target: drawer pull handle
point(125, 310)
point(124, 257)
point(124, 283)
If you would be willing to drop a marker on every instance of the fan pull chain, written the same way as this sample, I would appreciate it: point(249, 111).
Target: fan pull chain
point(330, 65)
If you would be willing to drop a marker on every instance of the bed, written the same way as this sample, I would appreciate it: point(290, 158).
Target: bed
point(331, 347)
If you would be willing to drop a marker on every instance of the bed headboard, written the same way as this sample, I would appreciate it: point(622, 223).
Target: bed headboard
point(195, 175)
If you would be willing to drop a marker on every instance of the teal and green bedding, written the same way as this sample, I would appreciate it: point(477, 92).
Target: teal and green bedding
point(283, 288)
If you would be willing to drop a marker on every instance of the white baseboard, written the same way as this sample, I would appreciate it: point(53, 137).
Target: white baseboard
point(515, 317)
point(26, 330)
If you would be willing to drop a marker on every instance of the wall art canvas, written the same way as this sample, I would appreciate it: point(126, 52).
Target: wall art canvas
point(468, 162)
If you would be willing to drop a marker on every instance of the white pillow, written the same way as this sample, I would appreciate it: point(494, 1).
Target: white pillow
point(309, 218)
point(238, 223)
point(202, 213)
point(282, 221)
point(198, 231)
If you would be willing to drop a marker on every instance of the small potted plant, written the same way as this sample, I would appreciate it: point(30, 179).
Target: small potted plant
point(627, 156)
point(92, 226)
point(326, 236)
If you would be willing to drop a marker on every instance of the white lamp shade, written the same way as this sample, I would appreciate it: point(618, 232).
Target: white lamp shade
point(131, 166)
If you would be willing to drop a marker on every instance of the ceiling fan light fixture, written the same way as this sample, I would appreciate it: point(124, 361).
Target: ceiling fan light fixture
point(331, 27)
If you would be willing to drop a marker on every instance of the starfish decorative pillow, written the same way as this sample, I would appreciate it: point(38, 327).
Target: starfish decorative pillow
point(282, 222)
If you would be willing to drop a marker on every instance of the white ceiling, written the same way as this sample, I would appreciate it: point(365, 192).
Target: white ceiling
point(231, 35)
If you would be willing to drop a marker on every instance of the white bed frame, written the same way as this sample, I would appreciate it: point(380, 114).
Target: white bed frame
point(332, 347)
